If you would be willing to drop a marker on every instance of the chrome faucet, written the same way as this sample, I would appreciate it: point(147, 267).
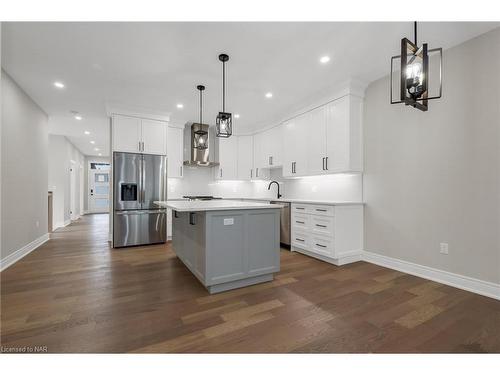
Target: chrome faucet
point(278, 185)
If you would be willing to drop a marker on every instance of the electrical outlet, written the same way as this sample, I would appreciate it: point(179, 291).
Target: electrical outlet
point(443, 248)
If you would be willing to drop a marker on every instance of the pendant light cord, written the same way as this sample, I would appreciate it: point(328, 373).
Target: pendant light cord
point(201, 106)
point(415, 31)
point(223, 86)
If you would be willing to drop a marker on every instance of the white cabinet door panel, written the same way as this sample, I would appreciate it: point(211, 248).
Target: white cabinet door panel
point(154, 137)
point(175, 150)
point(227, 152)
point(316, 145)
point(126, 133)
point(245, 157)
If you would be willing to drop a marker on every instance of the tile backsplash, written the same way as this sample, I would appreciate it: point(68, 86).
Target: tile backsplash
point(200, 181)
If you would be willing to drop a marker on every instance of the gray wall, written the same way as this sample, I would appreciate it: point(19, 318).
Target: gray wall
point(433, 176)
point(24, 168)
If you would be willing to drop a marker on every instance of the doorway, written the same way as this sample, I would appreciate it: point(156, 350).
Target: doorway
point(98, 198)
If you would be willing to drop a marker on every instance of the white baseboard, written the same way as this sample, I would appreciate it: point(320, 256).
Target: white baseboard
point(22, 252)
point(470, 284)
point(61, 224)
point(346, 258)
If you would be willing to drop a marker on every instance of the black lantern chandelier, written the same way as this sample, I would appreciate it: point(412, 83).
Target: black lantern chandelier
point(200, 131)
point(414, 73)
point(223, 122)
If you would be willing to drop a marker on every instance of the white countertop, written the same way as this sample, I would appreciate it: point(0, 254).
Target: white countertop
point(214, 205)
point(305, 201)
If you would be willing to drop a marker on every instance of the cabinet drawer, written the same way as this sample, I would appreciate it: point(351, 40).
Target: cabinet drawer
point(322, 225)
point(301, 208)
point(300, 222)
point(321, 245)
point(300, 240)
point(321, 210)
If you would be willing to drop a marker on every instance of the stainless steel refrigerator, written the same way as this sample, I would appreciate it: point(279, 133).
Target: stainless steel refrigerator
point(138, 181)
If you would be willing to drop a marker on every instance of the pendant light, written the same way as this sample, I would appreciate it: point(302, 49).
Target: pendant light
point(223, 122)
point(200, 131)
point(414, 73)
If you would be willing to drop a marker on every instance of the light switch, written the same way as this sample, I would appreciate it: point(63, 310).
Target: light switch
point(229, 221)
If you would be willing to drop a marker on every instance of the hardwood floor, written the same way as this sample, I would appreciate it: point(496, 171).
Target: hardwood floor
point(75, 294)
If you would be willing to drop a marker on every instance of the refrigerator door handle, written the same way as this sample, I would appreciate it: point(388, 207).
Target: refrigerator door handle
point(143, 180)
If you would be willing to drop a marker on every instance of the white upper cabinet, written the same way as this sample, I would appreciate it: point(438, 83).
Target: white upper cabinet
point(154, 137)
point(344, 138)
point(175, 144)
point(270, 148)
point(325, 140)
point(133, 134)
point(315, 124)
point(245, 157)
point(294, 152)
point(126, 134)
point(260, 170)
point(227, 154)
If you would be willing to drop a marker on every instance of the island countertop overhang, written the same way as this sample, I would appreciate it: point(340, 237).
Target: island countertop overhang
point(214, 205)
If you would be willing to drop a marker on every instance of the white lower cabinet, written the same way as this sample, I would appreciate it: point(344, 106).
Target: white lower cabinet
point(330, 233)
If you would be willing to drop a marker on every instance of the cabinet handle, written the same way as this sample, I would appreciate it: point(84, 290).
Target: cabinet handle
point(299, 208)
point(256, 172)
point(139, 146)
point(323, 163)
point(176, 214)
point(221, 172)
point(320, 209)
point(321, 226)
point(320, 245)
point(300, 222)
point(192, 218)
point(180, 170)
point(299, 239)
point(326, 163)
point(251, 173)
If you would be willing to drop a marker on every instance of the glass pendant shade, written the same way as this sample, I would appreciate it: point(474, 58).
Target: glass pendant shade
point(200, 140)
point(224, 125)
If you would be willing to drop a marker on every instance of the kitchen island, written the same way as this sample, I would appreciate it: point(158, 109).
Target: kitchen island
point(226, 244)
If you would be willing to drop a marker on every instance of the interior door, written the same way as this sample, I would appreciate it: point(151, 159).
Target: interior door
point(154, 180)
point(98, 190)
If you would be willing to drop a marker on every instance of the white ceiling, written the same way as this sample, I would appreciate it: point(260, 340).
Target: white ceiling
point(157, 65)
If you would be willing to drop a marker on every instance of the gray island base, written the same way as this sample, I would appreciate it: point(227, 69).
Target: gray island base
point(229, 248)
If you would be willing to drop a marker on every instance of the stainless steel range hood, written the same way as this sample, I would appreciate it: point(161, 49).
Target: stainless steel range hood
point(198, 141)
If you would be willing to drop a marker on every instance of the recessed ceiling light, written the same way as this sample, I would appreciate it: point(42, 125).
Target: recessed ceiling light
point(180, 105)
point(78, 117)
point(324, 59)
point(86, 132)
point(100, 154)
point(59, 85)
point(96, 149)
point(92, 142)
point(269, 95)
point(236, 115)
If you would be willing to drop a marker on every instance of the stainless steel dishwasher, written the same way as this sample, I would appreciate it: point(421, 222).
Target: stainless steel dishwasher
point(284, 222)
